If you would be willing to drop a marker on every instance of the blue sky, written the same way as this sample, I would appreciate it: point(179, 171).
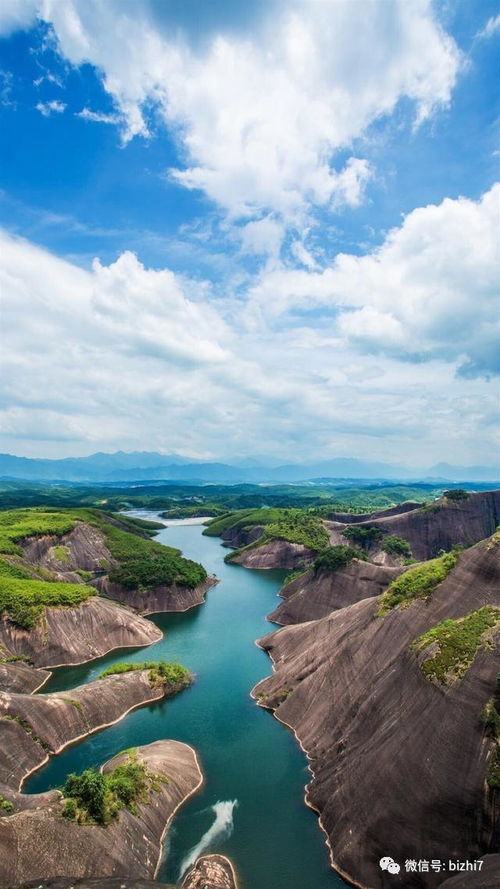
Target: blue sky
point(257, 228)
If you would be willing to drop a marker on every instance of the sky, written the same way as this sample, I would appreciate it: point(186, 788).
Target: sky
point(235, 229)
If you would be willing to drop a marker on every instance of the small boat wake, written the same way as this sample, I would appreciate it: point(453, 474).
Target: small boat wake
point(221, 829)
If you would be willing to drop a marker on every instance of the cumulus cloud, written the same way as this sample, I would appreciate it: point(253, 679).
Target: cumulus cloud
point(125, 356)
point(429, 291)
point(260, 113)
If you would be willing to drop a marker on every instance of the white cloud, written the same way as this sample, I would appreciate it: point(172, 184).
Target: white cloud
point(491, 27)
point(125, 356)
point(98, 116)
point(430, 290)
point(52, 107)
point(16, 14)
point(259, 115)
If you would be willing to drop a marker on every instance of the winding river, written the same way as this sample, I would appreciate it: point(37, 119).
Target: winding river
point(251, 806)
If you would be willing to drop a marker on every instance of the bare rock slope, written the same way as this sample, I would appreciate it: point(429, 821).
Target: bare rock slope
point(387, 746)
point(315, 594)
point(435, 527)
point(34, 726)
point(274, 554)
point(209, 872)
point(157, 599)
point(75, 635)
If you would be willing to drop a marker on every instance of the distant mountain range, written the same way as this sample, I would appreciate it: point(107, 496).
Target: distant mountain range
point(148, 466)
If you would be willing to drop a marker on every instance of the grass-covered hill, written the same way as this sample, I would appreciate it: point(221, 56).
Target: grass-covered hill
point(28, 585)
point(292, 525)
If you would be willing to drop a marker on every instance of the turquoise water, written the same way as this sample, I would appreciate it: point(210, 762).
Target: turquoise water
point(247, 757)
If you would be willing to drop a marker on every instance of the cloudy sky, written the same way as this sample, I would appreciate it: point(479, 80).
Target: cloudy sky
point(250, 228)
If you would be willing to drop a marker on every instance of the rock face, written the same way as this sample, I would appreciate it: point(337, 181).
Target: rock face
point(75, 635)
point(387, 747)
point(487, 878)
point(275, 554)
point(242, 536)
point(158, 599)
point(432, 528)
point(34, 726)
point(209, 872)
point(82, 549)
point(128, 847)
point(348, 518)
point(315, 594)
point(19, 677)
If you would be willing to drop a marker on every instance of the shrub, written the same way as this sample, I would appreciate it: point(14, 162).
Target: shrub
point(336, 557)
point(363, 535)
point(458, 642)
point(492, 726)
point(456, 494)
point(158, 569)
point(160, 672)
point(24, 601)
point(97, 798)
point(88, 791)
point(6, 806)
point(294, 525)
point(416, 583)
point(396, 546)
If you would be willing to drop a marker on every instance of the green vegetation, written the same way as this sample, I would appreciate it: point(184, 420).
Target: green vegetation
point(12, 569)
point(160, 672)
point(85, 575)
point(332, 496)
point(61, 553)
point(458, 642)
point(298, 527)
point(135, 525)
point(17, 524)
point(96, 798)
point(416, 583)
point(396, 546)
point(456, 494)
point(142, 562)
point(294, 525)
point(14, 658)
point(336, 557)
point(193, 512)
point(158, 568)
point(6, 807)
point(24, 601)
point(432, 507)
point(293, 576)
point(363, 535)
point(491, 717)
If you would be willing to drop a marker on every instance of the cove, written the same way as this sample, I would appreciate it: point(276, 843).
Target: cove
point(251, 806)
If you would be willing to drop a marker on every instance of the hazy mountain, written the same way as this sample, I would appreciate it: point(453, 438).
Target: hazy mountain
point(144, 466)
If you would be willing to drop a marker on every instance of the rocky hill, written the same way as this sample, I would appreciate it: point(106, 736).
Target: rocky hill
point(33, 727)
point(128, 846)
point(428, 529)
point(394, 699)
point(315, 593)
point(53, 564)
point(288, 539)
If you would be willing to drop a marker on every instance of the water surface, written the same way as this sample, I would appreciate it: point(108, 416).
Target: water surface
point(251, 806)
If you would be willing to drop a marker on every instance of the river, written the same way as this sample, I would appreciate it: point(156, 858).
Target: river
point(250, 807)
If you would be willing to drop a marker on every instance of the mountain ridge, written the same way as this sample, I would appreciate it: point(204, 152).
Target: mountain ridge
point(148, 465)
